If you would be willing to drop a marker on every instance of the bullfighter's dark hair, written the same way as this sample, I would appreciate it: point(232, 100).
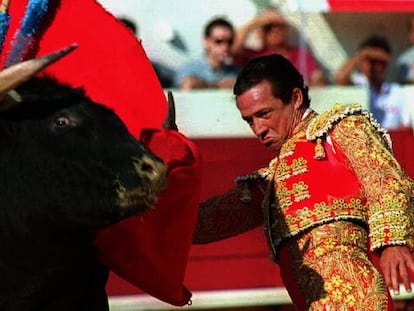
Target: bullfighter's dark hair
point(278, 71)
point(217, 22)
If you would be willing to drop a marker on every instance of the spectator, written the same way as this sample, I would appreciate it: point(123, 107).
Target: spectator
point(405, 62)
point(273, 32)
point(165, 74)
point(214, 69)
point(368, 67)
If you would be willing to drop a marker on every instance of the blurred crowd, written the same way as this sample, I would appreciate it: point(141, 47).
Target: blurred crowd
point(227, 49)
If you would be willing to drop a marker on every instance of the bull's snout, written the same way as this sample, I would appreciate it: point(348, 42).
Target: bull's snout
point(153, 170)
point(140, 190)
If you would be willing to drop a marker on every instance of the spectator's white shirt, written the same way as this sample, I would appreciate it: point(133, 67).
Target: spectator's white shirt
point(392, 99)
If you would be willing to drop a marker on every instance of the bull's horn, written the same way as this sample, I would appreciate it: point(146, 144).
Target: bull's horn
point(14, 75)
point(169, 122)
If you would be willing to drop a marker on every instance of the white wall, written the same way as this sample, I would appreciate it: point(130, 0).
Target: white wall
point(213, 113)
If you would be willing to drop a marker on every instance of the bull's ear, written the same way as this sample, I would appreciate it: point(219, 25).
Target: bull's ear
point(169, 122)
point(14, 75)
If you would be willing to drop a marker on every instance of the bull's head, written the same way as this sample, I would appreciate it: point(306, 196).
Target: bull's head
point(64, 155)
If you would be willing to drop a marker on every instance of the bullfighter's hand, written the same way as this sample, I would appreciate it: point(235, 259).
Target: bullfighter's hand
point(395, 262)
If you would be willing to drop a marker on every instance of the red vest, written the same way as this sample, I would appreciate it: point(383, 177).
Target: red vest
point(312, 191)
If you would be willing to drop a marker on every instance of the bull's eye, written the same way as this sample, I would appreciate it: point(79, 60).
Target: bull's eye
point(62, 121)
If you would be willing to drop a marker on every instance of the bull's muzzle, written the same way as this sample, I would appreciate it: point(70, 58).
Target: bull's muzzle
point(152, 170)
point(151, 174)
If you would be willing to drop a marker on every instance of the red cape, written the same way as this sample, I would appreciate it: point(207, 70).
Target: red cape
point(151, 250)
point(110, 63)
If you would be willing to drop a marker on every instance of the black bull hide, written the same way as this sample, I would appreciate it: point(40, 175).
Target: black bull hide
point(67, 167)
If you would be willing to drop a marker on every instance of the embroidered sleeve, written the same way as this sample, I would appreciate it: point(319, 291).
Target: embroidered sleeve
point(387, 188)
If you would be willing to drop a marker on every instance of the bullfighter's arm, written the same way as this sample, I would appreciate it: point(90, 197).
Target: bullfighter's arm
point(387, 187)
point(230, 214)
point(389, 193)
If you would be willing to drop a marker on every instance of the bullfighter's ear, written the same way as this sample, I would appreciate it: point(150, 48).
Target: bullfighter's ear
point(14, 75)
point(169, 122)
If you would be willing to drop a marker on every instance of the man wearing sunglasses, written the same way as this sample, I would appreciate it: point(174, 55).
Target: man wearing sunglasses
point(214, 69)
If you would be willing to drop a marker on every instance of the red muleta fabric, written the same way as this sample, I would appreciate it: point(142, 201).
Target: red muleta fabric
point(150, 251)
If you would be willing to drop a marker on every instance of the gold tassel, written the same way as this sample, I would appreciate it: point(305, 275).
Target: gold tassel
point(319, 150)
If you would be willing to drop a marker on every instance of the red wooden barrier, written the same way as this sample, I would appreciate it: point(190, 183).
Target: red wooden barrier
point(241, 262)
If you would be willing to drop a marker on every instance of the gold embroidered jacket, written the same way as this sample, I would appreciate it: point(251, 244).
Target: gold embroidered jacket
point(339, 166)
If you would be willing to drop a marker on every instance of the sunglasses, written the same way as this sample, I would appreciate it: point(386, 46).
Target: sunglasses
point(223, 41)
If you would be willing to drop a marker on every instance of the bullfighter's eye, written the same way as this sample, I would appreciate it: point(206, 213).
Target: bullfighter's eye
point(62, 121)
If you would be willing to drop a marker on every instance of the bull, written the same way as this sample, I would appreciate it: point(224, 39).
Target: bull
point(68, 166)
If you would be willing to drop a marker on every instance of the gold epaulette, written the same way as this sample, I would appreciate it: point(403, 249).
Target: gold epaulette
point(323, 123)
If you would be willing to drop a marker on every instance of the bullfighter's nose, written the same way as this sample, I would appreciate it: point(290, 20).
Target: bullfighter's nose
point(153, 169)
